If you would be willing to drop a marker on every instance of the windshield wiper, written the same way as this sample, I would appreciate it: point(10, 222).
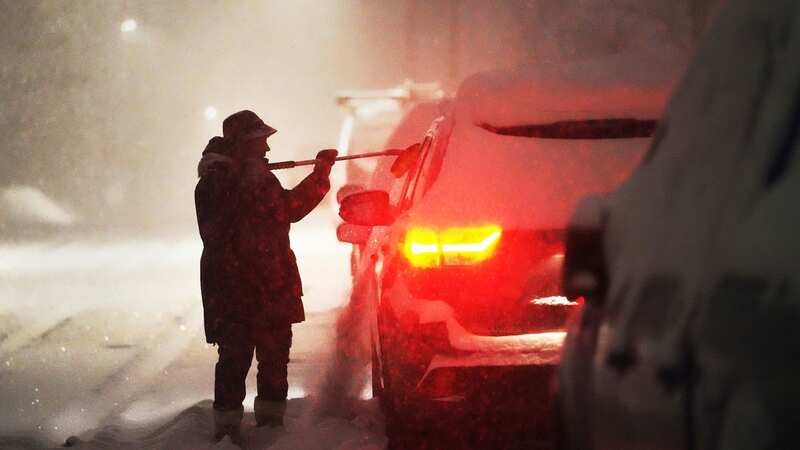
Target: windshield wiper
point(581, 129)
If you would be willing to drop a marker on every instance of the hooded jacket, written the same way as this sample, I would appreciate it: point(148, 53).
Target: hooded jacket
point(248, 272)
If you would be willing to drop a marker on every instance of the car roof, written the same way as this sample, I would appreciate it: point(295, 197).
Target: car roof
point(525, 182)
point(534, 94)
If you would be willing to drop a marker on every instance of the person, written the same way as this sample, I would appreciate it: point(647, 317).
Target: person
point(250, 285)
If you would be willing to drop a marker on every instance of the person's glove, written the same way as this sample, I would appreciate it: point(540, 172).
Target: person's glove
point(325, 160)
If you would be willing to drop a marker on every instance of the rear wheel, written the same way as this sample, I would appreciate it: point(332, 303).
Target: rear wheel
point(401, 426)
point(386, 373)
point(399, 368)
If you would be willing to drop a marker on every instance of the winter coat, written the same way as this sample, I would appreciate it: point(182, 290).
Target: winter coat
point(248, 272)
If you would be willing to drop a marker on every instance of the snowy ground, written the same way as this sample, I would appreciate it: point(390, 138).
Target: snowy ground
point(103, 340)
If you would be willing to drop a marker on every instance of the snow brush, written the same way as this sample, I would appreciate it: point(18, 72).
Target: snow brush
point(309, 162)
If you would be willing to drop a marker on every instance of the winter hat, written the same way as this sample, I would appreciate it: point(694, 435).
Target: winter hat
point(245, 125)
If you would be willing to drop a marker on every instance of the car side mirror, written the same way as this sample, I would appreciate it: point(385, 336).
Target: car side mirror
point(353, 234)
point(346, 190)
point(406, 160)
point(369, 208)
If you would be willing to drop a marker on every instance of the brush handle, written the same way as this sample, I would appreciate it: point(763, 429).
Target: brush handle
point(309, 162)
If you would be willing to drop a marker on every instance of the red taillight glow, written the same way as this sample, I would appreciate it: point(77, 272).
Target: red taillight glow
point(425, 247)
point(421, 247)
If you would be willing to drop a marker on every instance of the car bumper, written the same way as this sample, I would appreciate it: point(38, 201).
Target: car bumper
point(461, 349)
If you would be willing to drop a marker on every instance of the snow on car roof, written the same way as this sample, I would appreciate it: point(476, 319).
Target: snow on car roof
point(598, 88)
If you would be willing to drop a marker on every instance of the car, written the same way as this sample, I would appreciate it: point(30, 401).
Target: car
point(461, 273)
point(689, 333)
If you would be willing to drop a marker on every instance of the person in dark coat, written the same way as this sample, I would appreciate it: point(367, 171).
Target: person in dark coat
point(250, 284)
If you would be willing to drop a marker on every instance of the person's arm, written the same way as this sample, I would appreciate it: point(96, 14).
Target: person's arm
point(306, 196)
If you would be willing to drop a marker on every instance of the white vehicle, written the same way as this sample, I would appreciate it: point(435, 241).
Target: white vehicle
point(372, 117)
point(462, 268)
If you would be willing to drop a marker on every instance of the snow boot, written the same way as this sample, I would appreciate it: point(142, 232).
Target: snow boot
point(269, 413)
point(228, 423)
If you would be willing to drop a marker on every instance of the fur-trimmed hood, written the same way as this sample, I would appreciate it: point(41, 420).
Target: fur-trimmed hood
point(216, 157)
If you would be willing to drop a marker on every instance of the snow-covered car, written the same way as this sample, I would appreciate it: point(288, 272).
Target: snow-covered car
point(690, 333)
point(463, 265)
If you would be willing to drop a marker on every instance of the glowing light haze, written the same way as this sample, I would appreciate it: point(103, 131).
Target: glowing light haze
point(128, 26)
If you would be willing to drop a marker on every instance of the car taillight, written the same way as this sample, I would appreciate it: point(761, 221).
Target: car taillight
point(424, 247)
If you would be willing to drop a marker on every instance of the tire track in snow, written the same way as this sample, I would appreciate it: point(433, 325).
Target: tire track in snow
point(133, 377)
point(38, 331)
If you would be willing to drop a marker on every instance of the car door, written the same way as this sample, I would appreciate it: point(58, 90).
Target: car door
point(385, 241)
point(370, 270)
